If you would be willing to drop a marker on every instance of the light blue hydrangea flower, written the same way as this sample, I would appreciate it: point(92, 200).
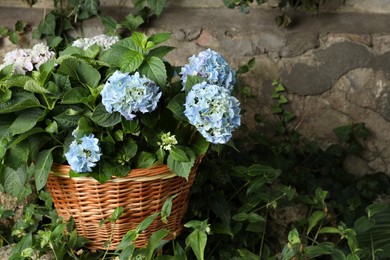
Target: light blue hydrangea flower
point(213, 111)
point(211, 66)
point(83, 153)
point(128, 94)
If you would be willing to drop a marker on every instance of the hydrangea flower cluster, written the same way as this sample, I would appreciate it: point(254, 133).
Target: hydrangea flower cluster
point(128, 94)
point(211, 66)
point(25, 60)
point(213, 111)
point(101, 40)
point(83, 153)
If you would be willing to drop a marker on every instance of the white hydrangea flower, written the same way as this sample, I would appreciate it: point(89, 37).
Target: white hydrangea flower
point(25, 60)
point(101, 40)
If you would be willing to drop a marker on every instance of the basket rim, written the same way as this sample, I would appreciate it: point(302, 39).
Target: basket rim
point(138, 174)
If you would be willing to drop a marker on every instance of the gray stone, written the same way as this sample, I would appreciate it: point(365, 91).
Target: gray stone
point(329, 64)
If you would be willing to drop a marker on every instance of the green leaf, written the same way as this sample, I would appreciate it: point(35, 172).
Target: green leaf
point(131, 60)
point(14, 37)
point(293, 237)
point(178, 153)
point(76, 95)
point(48, 25)
point(146, 222)
point(103, 174)
point(101, 117)
point(139, 39)
point(109, 23)
point(42, 168)
point(145, 160)
point(182, 169)
point(199, 145)
point(191, 81)
point(160, 37)
point(329, 230)
point(127, 240)
point(240, 217)
point(363, 224)
point(3, 31)
point(19, 101)
point(160, 51)
point(116, 214)
point(25, 121)
point(197, 241)
point(255, 218)
point(246, 254)
point(20, 25)
point(80, 71)
point(376, 208)
point(166, 209)
point(176, 105)
point(154, 69)
point(157, 6)
point(316, 217)
point(132, 22)
point(25, 242)
point(14, 182)
point(319, 250)
point(155, 242)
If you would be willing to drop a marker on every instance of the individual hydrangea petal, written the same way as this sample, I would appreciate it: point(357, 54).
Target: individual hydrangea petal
point(83, 154)
point(129, 94)
point(101, 40)
point(211, 66)
point(25, 60)
point(213, 111)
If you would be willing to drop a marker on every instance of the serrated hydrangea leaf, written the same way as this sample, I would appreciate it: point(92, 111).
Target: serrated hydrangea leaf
point(80, 71)
point(42, 168)
point(19, 101)
point(109, 23)
point(91, 6)
point(76, 95)
point(181, 169)
point(160, 37)
point(101, 117)
point(200, 145)
point(131, 126)
point(130, 61)
point(178, 153)
point(25, 121)
point(14, 181)
point(176, 105)
point(132, 22)
point(160, 51)
point(67, 121)
point(48, 25)
point(154, 69)
point(145, 160)
point(139, 39)
point(34, 86)
point(157, 6)
point(17, 155)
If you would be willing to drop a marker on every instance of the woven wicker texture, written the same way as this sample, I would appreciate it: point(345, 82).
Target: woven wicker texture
point(141, 193)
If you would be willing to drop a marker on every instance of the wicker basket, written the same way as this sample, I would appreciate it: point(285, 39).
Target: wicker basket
point(141, 193)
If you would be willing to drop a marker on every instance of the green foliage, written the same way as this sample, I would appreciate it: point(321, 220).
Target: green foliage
point(16, 35)
point(283, 19)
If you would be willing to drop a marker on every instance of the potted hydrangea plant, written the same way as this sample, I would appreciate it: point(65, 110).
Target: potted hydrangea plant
point(105, 107)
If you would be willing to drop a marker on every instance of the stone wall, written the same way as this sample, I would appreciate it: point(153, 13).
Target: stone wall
point(335, 65)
